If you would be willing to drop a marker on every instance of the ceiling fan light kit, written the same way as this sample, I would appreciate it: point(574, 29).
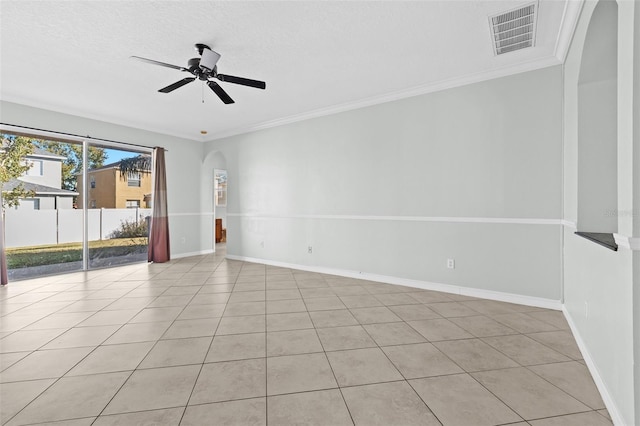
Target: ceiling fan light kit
point(209, 59)
point(205, 68)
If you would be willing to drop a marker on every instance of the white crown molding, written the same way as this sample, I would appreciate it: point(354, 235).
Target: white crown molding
point(609, 402)
point(453, 219)
point(424, 285)
point(394, 96)
point(570, 16)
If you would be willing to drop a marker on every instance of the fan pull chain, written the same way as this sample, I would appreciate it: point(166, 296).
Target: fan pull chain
point(202, 91)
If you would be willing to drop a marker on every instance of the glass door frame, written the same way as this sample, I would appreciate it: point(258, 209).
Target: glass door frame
point(85, 186)
point(85, 142)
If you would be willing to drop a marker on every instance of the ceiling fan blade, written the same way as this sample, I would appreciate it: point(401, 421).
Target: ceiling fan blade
point(243, 81)
point(220, 92)
point(162, 64)
point(176, 85)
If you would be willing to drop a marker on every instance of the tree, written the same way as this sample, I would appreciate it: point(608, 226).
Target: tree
point(139, 163)
point(72, 165)
point(13, 150)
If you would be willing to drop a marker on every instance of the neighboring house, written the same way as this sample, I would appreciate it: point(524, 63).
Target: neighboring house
point(44, 178)
point(109, 189)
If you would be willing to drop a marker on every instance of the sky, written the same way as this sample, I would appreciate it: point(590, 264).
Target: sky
point(115, 155)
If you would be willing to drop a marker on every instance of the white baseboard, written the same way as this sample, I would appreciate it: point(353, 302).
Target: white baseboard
point(602, 388)
point(424, 285)
point(193, 253)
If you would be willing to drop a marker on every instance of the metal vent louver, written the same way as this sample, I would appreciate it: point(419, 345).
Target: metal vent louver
point(514, 30)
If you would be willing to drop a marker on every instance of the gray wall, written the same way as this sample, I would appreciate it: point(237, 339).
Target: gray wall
point(597, 125)
point(183, 162)
point(486, 150)
point(599, 283)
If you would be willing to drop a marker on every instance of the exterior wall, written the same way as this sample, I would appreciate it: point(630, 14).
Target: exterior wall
point(112, 190)
point(124, 192)
point(51, 173)
point(52, 177)
point(104, 193)
point(46, 203)
point(28, 204)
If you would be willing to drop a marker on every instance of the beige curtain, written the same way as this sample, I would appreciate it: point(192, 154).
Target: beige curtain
point(159, 251)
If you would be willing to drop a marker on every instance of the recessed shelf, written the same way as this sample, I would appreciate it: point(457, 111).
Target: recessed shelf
point(603, 239)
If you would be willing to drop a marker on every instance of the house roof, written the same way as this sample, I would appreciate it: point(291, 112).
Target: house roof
point(38, 189)
point(41, 152)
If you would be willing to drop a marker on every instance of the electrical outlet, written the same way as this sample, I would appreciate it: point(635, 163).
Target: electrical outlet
point(183, 240)
point(451, 263)
point(586, 309)
point(310, 250)
point(262, 244)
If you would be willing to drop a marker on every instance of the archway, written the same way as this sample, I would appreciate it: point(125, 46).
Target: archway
point(597, 123)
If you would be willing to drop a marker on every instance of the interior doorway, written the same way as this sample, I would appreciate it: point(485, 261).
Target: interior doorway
point(220, 207)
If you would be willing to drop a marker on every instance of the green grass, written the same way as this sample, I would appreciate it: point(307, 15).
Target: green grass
point(23, 257)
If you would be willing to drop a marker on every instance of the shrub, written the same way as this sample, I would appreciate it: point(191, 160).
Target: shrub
point(131, 229)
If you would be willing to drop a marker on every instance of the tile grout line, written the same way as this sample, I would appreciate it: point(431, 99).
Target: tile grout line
point(142, 360)
point(206, 353)
point(326, 357)
point(396, 368)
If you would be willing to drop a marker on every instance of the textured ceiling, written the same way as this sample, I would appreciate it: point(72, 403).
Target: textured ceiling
point(316, 56)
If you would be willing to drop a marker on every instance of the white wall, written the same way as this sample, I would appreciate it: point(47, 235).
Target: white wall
point(486, 150)
point(183, 163)
point(599, 284)
point(51, 173)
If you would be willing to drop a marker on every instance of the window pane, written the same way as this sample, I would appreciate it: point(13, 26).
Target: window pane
point(43, 231)
point(118, 227)
point(220, 186)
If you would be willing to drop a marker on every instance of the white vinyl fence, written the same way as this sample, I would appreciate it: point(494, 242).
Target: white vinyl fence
point(45, 227)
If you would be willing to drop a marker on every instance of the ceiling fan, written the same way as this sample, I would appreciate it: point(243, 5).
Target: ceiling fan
point(205, 69)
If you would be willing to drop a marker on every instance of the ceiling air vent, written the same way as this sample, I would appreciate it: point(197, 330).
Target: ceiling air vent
point(514, 30)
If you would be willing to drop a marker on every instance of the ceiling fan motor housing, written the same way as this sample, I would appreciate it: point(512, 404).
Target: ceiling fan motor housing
point(209, 59)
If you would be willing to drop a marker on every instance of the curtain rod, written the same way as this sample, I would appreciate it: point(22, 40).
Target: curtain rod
point(79, 136)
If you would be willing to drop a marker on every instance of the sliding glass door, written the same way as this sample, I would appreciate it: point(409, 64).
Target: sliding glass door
point(118, 202)
point(72, 205)
point(42, 227)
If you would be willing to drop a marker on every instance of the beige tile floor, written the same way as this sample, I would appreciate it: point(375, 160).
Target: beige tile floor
point(205, 340)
